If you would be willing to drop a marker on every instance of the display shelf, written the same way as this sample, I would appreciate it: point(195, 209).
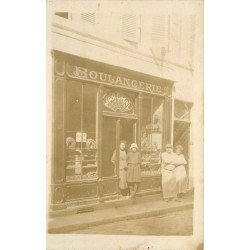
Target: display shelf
point(86, 167)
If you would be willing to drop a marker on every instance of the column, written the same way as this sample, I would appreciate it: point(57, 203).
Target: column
point(58, 151)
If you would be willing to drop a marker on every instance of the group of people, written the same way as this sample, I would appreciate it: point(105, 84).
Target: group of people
point(174, 176)
point(172, 169)
point(129, 169)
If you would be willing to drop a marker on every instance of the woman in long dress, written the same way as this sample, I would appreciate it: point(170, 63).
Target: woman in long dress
point(168, 174)
point(180, 171)
point(134, 169)
point(122, 168)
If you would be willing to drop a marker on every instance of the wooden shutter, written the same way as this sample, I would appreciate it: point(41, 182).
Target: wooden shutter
point(88, 17)
point(130, 27)
point(159, 31)
point(175, 34)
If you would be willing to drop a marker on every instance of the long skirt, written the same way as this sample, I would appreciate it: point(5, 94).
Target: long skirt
point(168, 184)
point(181, 179)
point(123, 179)
point(134, 173)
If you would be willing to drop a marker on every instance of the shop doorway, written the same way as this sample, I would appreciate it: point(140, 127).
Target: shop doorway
point(127, 132)
point(113, 131)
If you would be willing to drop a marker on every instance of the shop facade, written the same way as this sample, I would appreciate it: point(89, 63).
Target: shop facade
point(95, 106)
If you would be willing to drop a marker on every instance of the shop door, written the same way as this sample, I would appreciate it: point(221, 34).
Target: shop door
point(127, 132)
point(113, 131)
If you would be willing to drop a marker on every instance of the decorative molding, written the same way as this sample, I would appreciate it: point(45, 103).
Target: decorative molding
point(59, 67)
point(59, 195)
point(118, 102)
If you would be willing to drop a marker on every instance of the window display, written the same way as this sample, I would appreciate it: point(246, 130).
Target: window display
point(151, 138)
point(80, 132)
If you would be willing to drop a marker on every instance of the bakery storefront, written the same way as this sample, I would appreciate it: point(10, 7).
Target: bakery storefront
point(95, 106)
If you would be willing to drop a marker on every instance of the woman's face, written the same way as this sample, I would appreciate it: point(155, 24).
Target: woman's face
point(178, 151)
point(169, 150)
point(122, 146)
point(133, 149)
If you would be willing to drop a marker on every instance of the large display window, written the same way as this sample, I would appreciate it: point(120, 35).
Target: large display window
point(80, 131)
point(152, 134)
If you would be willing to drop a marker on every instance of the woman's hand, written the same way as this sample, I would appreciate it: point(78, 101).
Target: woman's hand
point(125, 168)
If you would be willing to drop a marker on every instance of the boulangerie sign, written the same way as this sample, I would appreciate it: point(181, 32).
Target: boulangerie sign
point(114, 80)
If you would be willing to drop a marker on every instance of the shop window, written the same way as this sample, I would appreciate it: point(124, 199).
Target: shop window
point(80, 132)
point(181, 136)
point(182, 126)
point(182, 110)
point(151, 138)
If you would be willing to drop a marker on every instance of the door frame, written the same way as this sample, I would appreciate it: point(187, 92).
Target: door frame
point(118, 134)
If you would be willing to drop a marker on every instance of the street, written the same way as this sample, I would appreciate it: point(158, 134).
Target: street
point(174, 223)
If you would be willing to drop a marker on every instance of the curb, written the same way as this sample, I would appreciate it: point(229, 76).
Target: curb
point(82, 225)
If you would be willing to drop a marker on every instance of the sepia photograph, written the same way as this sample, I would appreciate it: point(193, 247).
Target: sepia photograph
point(125, 121)
point(132, 125)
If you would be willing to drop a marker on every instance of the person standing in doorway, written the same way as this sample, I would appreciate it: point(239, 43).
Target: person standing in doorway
point(180, 172)
point(168, 175)
point(134, 169)
point(122, 168)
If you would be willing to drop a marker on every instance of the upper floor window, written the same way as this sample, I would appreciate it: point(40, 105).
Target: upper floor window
point(65, 15)
point(160, 31)
point(175, 34)
point(130, 27)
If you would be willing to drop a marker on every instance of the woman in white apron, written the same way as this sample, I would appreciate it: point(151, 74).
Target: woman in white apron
point(168, 174)
point(180, 171)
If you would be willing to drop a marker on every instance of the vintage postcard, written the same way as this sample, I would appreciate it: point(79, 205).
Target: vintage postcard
point(125, 125)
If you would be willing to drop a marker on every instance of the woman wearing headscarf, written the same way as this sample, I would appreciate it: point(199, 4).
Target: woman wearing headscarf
point(168, 174)
point(180, 171)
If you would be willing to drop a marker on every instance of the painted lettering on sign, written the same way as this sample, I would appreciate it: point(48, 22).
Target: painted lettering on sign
point(92, 75)
point(118, 102)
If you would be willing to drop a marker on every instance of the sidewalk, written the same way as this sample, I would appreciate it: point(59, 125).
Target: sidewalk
point(140, 207)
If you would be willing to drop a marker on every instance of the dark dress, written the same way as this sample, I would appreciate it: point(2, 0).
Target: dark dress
point(134, 169)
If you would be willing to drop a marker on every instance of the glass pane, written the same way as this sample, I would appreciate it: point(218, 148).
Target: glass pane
point(151, 140)
point(89, 145)
point(146, 114)
point(80, 132)
point(181, 110)
point(73, 106)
